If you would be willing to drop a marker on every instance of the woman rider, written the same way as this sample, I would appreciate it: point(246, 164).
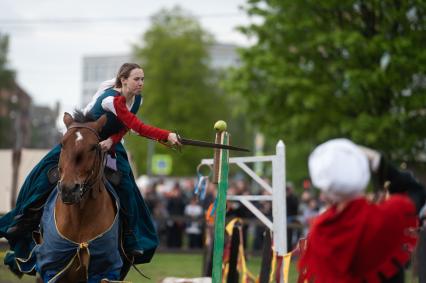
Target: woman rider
point(120, 103)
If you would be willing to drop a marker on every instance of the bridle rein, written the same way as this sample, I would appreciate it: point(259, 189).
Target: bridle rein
point(94, 176)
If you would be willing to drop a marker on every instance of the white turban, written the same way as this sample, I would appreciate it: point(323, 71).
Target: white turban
point(340, 169)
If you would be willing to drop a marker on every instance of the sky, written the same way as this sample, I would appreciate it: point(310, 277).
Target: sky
point(49, 38)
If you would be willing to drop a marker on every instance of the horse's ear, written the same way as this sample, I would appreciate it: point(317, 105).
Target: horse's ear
point(100, 123)
point(68, 119)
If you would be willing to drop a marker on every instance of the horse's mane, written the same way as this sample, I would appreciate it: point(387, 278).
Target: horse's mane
point(80, 117)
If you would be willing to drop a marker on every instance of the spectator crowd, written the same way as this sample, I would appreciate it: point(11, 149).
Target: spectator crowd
point(179, 214)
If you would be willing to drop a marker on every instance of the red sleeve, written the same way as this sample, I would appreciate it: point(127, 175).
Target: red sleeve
point(116, 138)
point(131, 121)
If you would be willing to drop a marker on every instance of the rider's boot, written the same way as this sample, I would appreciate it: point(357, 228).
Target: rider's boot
point(26, 222)
point(129, 238)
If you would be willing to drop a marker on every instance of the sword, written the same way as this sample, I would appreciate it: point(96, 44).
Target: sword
point(184, 141)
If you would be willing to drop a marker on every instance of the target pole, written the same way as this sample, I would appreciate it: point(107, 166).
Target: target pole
point(221, 173)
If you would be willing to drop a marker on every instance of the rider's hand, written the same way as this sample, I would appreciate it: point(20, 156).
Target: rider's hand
point(173, 139)
point(106, 144)
point(373, 157)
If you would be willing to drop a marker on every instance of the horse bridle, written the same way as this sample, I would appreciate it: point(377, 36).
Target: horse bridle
point(85, 186)
point(79, 126)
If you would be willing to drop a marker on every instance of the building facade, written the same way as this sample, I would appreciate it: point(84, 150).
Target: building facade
point(15, 122)
point(99, 68)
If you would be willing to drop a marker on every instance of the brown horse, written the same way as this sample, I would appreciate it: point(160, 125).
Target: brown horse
point(84, 209)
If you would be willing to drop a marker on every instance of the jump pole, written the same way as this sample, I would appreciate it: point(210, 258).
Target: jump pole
point(221, 169)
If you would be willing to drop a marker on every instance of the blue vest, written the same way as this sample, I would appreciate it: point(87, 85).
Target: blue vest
point(56, 251)
point(113, 124)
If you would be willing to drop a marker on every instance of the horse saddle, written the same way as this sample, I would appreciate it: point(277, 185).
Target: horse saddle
point(113, 176)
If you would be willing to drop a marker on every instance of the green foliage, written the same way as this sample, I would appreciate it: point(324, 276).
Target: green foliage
point(6, 75)
point(6, 80)
point(181, 93)
point(325, 69)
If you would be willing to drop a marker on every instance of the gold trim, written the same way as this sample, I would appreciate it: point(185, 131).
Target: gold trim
point(96, 237)
point(63, 270)
point(19, 260)
point(85, 245)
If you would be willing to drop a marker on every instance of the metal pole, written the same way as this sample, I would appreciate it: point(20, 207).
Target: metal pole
point(149, 154)
point(219, 228)
point(216, 161)
point(279, 213)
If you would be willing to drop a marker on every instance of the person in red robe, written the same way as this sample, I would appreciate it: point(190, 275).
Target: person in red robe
point(355, 239)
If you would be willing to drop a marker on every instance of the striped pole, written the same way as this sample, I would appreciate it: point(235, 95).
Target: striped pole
point(222, 177)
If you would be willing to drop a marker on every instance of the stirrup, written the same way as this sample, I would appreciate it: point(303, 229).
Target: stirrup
point(53, 175)
point(114, 177)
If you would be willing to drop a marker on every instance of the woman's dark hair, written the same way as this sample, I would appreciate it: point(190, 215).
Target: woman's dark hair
point(124, 72)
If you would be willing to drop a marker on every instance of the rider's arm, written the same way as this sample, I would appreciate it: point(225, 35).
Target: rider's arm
point(116, 138)
point(113, 140)
point(117, 105)
point(398, 181)
point(401, 182)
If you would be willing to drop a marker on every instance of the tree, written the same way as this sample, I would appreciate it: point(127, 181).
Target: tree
point(6, 75)
point(333, 68)
point(181, 91)
point(6, 82)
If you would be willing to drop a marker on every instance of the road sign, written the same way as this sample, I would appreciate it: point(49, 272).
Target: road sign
point(162, 164)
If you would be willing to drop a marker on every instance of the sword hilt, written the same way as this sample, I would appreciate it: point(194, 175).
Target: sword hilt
point(178, 147)
point(175, 147)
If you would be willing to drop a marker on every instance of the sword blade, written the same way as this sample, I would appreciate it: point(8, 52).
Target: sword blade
point(211, 144)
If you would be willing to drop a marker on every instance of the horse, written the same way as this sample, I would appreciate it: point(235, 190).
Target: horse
point(82, 210)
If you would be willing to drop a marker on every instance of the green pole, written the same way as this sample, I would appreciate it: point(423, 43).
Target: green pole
point(219, 228)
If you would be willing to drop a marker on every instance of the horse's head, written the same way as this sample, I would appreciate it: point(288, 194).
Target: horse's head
point(81, 157)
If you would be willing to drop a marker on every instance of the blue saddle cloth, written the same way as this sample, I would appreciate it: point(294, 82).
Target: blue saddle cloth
point(54, 255)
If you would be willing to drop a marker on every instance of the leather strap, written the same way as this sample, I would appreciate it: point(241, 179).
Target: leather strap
point(78, 125)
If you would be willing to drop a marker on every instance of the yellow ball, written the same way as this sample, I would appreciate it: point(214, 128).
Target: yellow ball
point(220, 126)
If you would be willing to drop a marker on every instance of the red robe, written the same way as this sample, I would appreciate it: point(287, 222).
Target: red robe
point(365, 242)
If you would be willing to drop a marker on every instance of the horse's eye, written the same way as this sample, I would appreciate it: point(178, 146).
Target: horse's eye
point(94, 147)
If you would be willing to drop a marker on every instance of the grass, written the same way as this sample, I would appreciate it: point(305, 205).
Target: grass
point(167, 265)
point(162, 265)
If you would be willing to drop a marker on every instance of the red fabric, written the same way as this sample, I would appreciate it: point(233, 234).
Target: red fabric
point(131, 121)
point(359, 242)
point(278, 269)
point(116, 138)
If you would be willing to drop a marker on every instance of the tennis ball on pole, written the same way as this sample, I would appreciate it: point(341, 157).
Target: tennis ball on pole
point(220, 126)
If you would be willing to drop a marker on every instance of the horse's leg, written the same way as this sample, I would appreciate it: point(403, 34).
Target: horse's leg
point(78, 270)
point(38, 279)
